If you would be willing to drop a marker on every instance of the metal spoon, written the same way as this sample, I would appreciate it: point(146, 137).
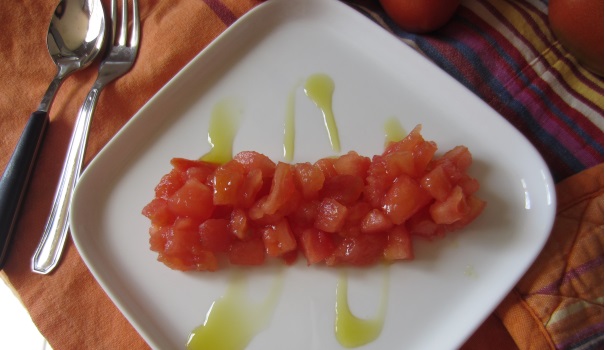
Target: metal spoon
point(75, 37)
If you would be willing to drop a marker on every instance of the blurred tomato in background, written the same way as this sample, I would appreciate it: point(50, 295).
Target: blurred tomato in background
point(420, 16)
point(579, 26)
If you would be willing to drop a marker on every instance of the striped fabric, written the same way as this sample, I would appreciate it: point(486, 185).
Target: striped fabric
point(504, 51)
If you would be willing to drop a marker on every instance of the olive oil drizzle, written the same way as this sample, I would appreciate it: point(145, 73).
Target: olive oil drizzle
point(320, 88)
point(222, 130)
point(289, 126)
point(234, 319)
point(394, 131)
point(352, 331)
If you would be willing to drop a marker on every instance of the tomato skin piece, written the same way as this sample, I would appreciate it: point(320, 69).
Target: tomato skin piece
point(278, 238)
point(420, 16)
point(331, 215)
point(249, 252)
point(215, 235)
point(194, 200)
point(316, 245)
point(404, 198)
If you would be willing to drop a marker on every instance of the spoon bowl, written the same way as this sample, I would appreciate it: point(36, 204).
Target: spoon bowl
point(75, 37)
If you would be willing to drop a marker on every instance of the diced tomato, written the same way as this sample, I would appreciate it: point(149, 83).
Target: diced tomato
point(228, 181)
point(183, 249)
point(375, 222)
point(194, 200)
point(346, 189)
point(437, 183)
point(253, 183)
point(452, 209)
point(316, 245)
point(476, 206)
point(238, 223)
point(290, 257)
point(158, 237)
point(403, 199)
point(254, 160)
point(423, 226)
point(346, 210)
point(283, 190)
point(310, 180)
point(170, 183)
point(468, 184)
point(331, 215)
point(202, 174)
point(423, 155)
point(399, 245)
point(157, 211)
point(183, 238)
point(215, 235)
point(278, 238)
point(247, 252)
point(455, 163)
point(305, 214)
point(377, 182)
point(185, 164)
point(327, 167)
point(409, 143)
point(359, 250)
point(352, 164)
point(399, 163)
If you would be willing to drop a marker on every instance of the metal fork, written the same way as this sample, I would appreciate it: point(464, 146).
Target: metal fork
point(118, 61)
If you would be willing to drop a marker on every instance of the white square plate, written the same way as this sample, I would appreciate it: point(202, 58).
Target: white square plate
point(434, 302)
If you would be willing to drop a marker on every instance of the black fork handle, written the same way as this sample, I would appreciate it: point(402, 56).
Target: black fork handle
point(15, 179)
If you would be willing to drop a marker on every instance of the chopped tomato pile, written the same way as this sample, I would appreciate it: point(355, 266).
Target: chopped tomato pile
point(350, 210)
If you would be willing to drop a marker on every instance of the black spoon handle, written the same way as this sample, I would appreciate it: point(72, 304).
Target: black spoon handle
point(15, 179)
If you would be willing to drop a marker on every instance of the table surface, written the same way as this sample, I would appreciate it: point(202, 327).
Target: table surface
point(503, 51)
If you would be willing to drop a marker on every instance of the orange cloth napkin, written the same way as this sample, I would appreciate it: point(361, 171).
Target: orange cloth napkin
point(559, 301)
point(555, 299)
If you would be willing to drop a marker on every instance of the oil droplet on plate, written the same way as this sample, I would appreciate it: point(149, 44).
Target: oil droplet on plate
point(470, 272)
point(234, 320)
point(352, 331)
point(222, 129)
point(320, 88)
